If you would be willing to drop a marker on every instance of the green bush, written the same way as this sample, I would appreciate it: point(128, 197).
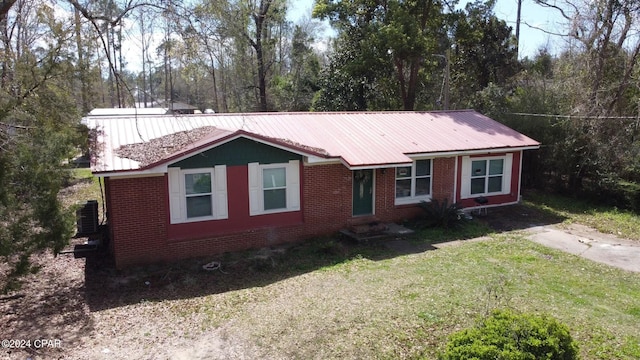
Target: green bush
point(506, 335)
point(441, 214)
point(625, 195)
point(613, 191)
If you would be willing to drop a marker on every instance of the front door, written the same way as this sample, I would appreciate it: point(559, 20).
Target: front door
point(362, 192)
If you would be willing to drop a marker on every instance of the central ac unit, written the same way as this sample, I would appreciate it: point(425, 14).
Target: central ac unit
point(87, 218)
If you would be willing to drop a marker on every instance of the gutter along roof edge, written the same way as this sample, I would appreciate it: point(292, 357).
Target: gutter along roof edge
point(161, 167)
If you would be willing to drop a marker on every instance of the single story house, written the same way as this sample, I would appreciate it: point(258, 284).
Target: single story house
point(180, 186)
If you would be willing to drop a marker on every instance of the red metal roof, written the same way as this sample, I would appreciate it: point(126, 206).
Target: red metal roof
point(363, 139)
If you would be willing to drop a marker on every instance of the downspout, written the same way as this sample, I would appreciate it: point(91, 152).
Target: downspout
point(104, 209)
point(455, 181)
point(520, 177)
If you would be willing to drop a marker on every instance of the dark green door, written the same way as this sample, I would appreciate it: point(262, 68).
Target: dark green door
point(362, 192)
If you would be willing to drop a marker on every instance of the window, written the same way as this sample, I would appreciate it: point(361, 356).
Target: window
point(486, 176)
point(274, 188)
point(197, 194)
point(413, 183)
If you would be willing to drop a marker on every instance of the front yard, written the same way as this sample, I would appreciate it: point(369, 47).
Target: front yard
point(324, 299)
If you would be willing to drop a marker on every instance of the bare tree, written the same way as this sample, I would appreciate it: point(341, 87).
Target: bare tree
point(606, 34)
point(106, 20)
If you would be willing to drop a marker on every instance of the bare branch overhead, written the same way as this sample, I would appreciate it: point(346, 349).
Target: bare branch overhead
point(563, 12)
point(131, 5)
point(545, 30)
point(5, 6)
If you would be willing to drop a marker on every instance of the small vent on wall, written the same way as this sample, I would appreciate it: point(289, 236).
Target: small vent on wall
point(87, 218)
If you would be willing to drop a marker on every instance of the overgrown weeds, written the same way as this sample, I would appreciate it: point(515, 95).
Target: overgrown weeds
point(606, 219)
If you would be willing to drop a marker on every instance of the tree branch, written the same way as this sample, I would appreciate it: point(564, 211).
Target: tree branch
point(113, 21)
point(545, 3)
point(545, 30)
point(624, 83)
point(627, 26)
point(5, 6)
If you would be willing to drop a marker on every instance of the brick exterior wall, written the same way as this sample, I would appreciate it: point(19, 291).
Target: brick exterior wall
point(137, 215)
point(141, 233)
point(444, 171)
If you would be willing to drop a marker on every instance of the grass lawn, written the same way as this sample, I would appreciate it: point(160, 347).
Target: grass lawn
point(325, 299)
point(406, 306)
point(82, 186)
point(605, 219)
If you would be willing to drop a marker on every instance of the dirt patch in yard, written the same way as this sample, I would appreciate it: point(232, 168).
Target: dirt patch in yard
point(516, 217)
point(172, 311)
point(51, 305)
point(90, 311)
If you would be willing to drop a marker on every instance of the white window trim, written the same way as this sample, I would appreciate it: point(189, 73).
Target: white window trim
point(415, 199)
point(256, 190)
point(178, 196)
point(465, 189)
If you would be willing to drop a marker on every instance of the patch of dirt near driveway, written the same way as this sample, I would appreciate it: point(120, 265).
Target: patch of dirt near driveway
point(516, 217)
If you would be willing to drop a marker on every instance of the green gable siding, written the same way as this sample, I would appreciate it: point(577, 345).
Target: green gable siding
point(237, 152)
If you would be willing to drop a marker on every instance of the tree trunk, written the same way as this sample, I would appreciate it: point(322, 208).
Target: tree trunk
point(111, 72)
point(259, 20)
point(5, 71)
point(410, 102)
point(82, 66)
point(215, 85)
point(223, 84)
point(262, 83)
